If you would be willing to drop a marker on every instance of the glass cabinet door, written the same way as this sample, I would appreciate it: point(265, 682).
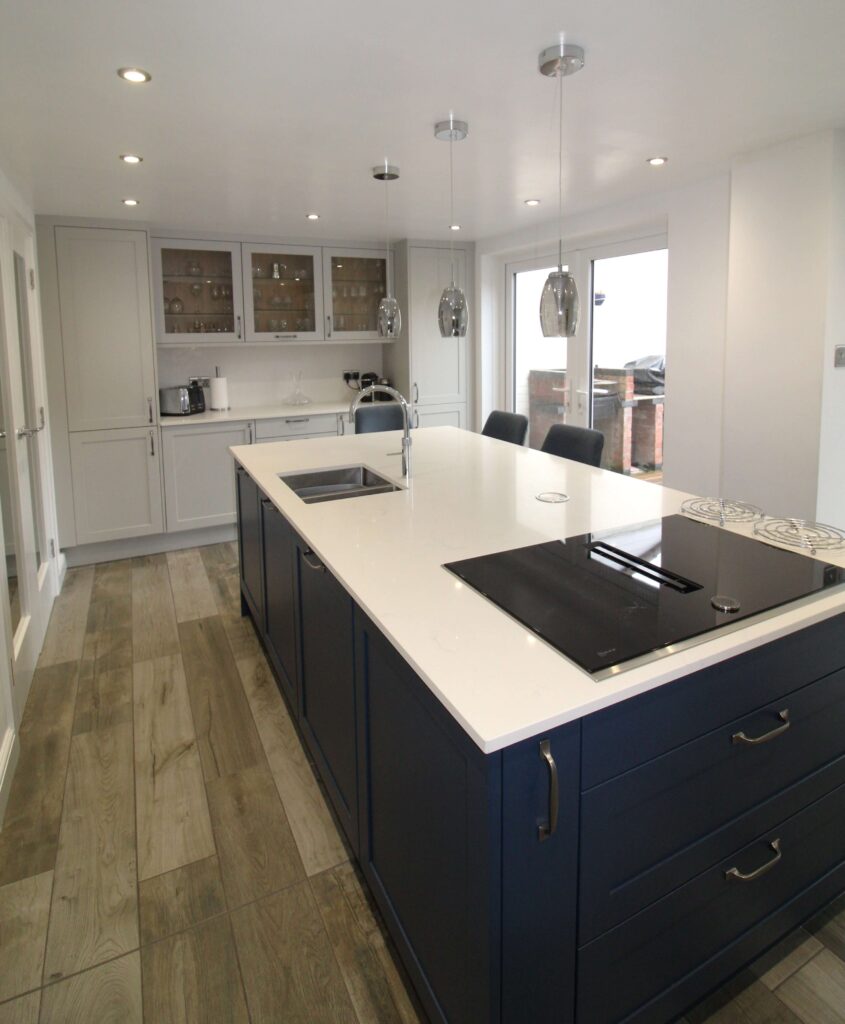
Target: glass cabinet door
point(198, 291)
point(356, 281)
point(284, 293)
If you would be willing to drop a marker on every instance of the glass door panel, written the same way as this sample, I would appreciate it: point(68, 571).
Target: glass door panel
point(11, 529)
point(286, 297)
point(628, 305)
point(198, 292)
point(357, 283)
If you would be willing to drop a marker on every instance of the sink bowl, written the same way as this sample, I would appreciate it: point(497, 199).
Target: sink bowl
point(332, 484)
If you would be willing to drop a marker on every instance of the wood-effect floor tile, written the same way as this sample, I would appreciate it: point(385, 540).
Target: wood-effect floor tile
point(29, 839)
point(66, 630)
point(228, 741)
point(108, 633)
point(193, 978)
point(173, 823)
point(289, 971)
point(192, 595)
point(23, 1010)
point(372, 979)
point(828, 926)
point(786, 958)
point(221, 567)
point(103, 699)
point(154, 631)
point(108, 994)
point(24, 910)
point(816, 993)
point(255, 845)
point(317, 837)
point(743, 1000)
point(178, 900)
point(94, 912)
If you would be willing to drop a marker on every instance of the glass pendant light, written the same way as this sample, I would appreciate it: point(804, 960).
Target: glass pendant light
point(452, 313)
point(559, 304)
point(389, 316)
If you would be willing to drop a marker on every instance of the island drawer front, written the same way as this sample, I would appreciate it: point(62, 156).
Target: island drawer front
point(680, 812)
point(636, 730)
point(292, 426)
point(674, 937)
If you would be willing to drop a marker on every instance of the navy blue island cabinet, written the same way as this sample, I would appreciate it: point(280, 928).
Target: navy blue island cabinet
point(613, 869)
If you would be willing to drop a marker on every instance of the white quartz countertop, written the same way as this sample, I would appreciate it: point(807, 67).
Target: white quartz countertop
point(470, 495)
point(258, 412)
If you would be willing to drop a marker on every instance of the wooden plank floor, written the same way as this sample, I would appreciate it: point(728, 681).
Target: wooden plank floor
point(156, 867)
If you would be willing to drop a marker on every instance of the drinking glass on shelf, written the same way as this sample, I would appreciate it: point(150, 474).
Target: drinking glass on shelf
point(166, 306)
point(193, 268)
point(176, 306)
point(215, 291)
point(274, 325)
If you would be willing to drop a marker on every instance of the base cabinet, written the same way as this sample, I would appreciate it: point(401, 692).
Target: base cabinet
point(614, 869)
point(250, 547)
point(440, 416)
point(116, 484)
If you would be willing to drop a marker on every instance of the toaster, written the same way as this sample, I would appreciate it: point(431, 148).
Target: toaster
point(181, 401)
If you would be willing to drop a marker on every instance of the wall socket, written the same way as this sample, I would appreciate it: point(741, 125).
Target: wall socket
point(203, 382)
point(839, 357)
point(351, 375)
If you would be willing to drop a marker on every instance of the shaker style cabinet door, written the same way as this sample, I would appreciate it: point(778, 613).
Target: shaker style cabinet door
point(199, 482)
point(198, 293)
point(107, 337)
point(438, 365)
point(116, 484)
point(355, 282)
point(283, 292)
point(440, 416)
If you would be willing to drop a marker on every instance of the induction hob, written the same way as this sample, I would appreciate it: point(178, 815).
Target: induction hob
point(603, 599)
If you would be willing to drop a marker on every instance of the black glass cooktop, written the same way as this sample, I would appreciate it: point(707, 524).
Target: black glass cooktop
point(602, 599)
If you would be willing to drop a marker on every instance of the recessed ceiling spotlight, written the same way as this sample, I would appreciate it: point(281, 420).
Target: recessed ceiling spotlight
point(131, 158)
point(130, 202)
point(137, 76)
point(657, 161)
point(312, 216)
point(532, 202)
point(455, 227)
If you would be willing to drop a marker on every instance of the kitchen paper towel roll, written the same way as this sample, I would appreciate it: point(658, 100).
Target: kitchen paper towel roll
point(219, 394)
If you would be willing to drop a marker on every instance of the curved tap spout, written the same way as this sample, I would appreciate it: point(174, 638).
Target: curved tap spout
point(406, 418)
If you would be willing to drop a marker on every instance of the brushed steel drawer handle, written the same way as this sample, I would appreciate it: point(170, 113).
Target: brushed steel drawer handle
point(754, 741)
point(544, 831)
point(734, 874)
point(299, 419)
point(319, 567)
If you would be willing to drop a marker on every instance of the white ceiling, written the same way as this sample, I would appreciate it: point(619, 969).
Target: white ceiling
point(260, 111)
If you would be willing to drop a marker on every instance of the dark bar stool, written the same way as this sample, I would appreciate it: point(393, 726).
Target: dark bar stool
point(378, 416)
point(506, 426)
point(576, 443)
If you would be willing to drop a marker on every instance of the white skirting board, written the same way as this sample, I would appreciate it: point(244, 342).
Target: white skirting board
point(110, 551)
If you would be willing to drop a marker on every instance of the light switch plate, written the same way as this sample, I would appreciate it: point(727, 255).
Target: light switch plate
point(839, 357)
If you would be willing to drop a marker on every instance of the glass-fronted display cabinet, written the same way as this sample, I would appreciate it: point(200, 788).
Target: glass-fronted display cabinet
point(198, 291)
point(356, 281)
point(284, 300)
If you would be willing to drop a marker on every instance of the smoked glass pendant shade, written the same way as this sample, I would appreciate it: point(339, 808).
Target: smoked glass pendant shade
point(559, 305)
point(389, 318)
point(452, 314)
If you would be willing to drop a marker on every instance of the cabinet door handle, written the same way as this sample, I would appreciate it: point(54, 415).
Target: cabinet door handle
point(249, 428)
point(239, 327)
point(544, 831)
point(329, 321)
point(754, 741)
point(416, 417)
point(416, 392)
point(298, 419)
point(285, 335)
point(319, 567)
point(735, 875)
point(150, 409)
point(152, 443)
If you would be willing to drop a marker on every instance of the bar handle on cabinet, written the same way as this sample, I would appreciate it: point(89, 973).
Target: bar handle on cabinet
point(329, 322)
point(249, 428)
point(754, 741)
point(319, 567)
point(150, 409)
point(416, 392)
point(734, 874)
point(544, 831)
point(416, 417)
point(278, 336)
point(152, 443)
point(297, 419)
point(239, 327)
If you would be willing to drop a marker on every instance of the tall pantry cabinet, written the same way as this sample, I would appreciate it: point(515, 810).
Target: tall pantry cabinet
point(98, 299)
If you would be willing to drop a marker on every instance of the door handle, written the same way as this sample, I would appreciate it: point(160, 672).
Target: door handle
point(544, 831)
point(249, 428)
point(298, 419)
point(416, 417)
point(150, 409)
point(755, 741)
point(734, 874)
point(319, 567)
point(416, 392)
point(329, 319)
point(239, 327)
point(26, 431)
point(152, 443)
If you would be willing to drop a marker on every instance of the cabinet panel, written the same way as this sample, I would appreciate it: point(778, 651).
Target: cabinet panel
point(292, 426)
point(438, 365)
point(250, 545)
point(355, 282)
point(283, 293)
point(107, 338)
point(199, 485)
point(281, 598)
point(327, 685)
point(198, 293)
point(116, 484)
point(440, 416)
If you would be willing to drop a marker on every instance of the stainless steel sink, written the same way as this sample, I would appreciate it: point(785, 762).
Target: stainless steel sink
point(332, 484)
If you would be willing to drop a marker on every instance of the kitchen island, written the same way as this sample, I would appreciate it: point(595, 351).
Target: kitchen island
point(527, 831)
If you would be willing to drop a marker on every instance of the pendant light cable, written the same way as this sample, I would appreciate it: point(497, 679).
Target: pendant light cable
point(451, 208)
point(387, 238)
point(560, 172)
